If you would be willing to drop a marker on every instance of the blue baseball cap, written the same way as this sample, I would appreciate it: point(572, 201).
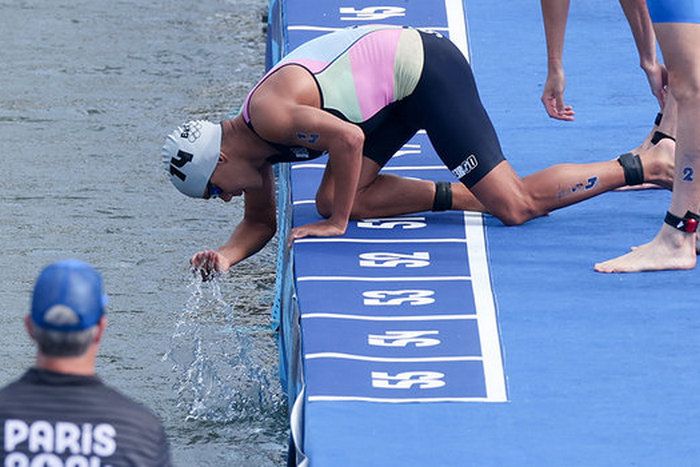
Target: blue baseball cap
point(68, 297)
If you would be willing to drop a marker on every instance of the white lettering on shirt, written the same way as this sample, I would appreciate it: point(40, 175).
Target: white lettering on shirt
point(49, 441)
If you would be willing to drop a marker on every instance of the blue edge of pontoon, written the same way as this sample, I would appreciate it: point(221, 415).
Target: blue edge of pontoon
point(601, 370)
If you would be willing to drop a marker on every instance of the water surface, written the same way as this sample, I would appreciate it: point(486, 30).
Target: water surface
point(89, 90)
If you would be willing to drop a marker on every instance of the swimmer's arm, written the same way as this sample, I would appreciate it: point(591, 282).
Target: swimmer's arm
point(555, 14)
point(642, 28)
point(301, 125)
point(252, 233)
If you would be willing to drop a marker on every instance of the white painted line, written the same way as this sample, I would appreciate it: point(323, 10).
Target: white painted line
point(308, 165)
point(395, 400)
point(365, 358)
point(388, 318)
point(380, 240)
point(312, 28)
point(485, 309)
point(301, 27)
point(311, 165)
point(383, 279)
point(476, 249)
point(304, 201)
point(457, 25)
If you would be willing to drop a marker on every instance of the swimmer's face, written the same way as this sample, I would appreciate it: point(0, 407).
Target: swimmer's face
point(231, 178)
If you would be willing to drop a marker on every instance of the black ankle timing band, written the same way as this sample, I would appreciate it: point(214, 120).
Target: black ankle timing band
point(657, 120)
point(659, 135)
point(688, 223)
point(443, 196)
point(632, 166)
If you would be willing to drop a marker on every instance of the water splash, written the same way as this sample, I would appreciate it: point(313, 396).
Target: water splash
point(221, 374)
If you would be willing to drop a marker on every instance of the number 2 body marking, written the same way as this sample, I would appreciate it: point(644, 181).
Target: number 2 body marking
point(688, 174)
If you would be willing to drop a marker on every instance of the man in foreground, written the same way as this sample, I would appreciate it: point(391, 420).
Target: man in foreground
point(59, 412)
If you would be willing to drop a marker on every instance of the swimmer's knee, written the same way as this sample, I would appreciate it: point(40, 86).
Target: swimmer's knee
point(514, 218)
point(519, 212)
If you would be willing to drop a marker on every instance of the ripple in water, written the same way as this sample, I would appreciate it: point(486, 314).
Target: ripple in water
point(220, 374)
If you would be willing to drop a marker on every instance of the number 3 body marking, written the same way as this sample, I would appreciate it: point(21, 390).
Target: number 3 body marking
point(593, 181)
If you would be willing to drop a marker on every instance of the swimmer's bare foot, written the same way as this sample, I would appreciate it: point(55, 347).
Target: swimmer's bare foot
point(670, 250)
point(658, 163)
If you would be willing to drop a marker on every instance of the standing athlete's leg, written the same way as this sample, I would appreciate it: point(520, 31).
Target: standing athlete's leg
point(674, 248)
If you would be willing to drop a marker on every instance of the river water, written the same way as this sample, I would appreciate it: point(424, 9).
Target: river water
point(88, 90)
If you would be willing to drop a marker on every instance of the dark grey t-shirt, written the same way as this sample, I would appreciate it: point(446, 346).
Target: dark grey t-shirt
point(56, 419)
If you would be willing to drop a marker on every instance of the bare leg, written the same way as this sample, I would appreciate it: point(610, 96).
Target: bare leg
point(502, 192)
point(667, 124)
point(382, 194)
point(392, 195)
point(671, 248)
point(514, 200)
point(646, 144)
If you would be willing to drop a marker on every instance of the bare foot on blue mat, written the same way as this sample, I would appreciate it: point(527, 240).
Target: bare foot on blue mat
point(670, 250)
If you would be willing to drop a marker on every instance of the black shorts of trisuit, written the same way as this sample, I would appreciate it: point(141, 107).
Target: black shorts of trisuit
point(446, 104)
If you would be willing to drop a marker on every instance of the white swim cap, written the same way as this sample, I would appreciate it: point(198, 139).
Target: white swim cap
point(190, 154)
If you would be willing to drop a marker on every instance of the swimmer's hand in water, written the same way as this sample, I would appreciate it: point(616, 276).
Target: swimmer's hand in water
point(209, 263)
